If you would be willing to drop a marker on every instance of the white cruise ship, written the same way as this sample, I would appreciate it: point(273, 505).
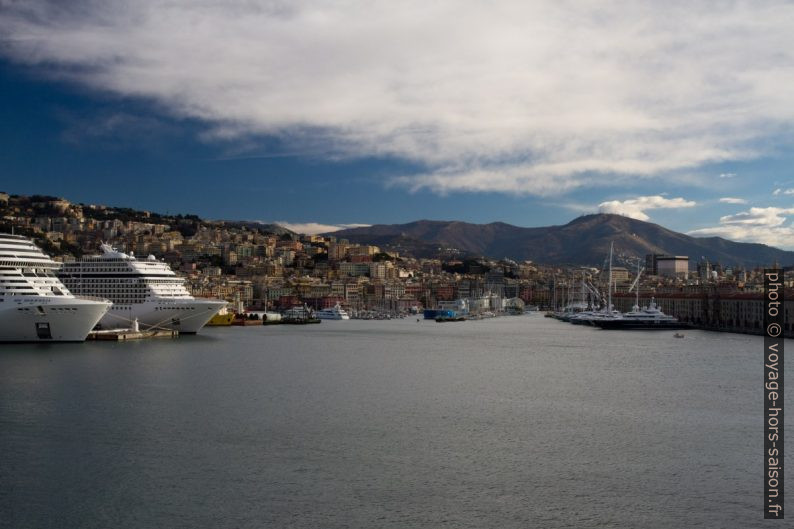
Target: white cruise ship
point(34, 305)
point(334, 313)
point(143, 289)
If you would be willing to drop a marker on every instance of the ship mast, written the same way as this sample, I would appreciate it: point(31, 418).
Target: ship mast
point(609, 287)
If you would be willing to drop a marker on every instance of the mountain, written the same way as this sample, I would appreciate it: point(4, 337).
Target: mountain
point(264, 227)
point(583, 241)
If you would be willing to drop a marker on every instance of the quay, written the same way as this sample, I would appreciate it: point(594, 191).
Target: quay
point(123, 335)
point(300, 321)
point(244, 322)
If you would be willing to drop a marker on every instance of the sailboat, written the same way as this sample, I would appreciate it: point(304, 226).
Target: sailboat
point(607, 312)
point(650, 317)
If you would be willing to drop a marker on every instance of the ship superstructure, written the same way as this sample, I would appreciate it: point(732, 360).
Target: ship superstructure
point(333, 313)
point(143, 289)
point(35, 306)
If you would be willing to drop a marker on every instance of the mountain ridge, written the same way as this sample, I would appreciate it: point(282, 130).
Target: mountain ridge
point(582, 241)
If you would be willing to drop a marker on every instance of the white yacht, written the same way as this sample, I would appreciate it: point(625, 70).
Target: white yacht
point(34, 305)
point(334, 313)
point(589, 317)
point(143, 289)
point(298, 312)
point(650, 317)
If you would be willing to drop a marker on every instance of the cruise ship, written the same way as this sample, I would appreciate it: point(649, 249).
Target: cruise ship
point(143, 289)
point(34, 305)
point(333, 313)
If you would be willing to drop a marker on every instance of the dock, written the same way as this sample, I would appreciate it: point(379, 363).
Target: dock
point(122, 335)
point(300, 321)
point(241, 322)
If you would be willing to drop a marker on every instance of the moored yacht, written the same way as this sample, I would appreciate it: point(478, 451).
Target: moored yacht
point(334, 313)
point(34, 305)
point(650, 317)
point(143, 289)
point(589, 317)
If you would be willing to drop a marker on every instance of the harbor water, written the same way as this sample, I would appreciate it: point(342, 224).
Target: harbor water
point(514, 422)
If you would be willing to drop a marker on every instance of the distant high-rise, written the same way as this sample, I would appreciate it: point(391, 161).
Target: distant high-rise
point(667, 265)
point(673, 266)
point(650, 263)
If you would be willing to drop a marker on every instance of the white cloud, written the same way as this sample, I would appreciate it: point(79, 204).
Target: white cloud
point(313, 228)
point(770, 217)
point(636, 207)
point(727, 175)
point(525, 97)
point(731, 200)
point(764, 225)
point(788, 191)
point(777, 191)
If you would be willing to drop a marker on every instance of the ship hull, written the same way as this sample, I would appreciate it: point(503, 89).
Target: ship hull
point(49, 319)
point(221, 320)
point(627, 325)
point(432, 314)
point(321, 316)
point(185, 316)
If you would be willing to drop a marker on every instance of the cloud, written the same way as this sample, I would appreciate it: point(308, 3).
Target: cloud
point(728, 175)
point(764, 225)
point(770, 217)
point(110, 130)
point(520, 97)
point(731, 200)
point(636, 207)
point(581, 208)
point(313, 228)
point(777, 191)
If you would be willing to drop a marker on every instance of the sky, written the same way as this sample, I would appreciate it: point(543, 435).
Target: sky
point(320, 115)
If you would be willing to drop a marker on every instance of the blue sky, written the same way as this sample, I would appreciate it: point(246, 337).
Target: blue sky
point(335, 113)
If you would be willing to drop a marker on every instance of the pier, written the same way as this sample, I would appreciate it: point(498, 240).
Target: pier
point(123, 335)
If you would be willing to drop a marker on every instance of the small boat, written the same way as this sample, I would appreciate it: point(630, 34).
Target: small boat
point(450, 318)
point(334, 313)
point(299, 315)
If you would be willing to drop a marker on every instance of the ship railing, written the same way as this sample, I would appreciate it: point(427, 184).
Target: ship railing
point(91, 298)
point(202, 298)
